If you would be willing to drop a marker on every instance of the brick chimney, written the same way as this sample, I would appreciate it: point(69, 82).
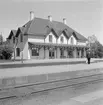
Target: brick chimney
point(64, 21)
point(31, 15)
point(50, 18)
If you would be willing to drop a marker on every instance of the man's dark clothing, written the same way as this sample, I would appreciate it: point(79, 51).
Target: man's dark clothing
point(88, 60)
point(88, 57)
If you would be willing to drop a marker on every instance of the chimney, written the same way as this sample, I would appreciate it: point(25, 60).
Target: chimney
point(64, 21)
point(50, 18)
point(31, 15)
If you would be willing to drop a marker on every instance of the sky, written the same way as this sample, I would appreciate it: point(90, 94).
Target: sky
point(84, 16)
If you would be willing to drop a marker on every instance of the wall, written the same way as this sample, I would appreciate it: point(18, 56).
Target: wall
point(11, 40)
point(75, 53)
point(81, 43)
point(58, 53)
point(23, 46)
point(32, 38)
point(47, 54)
point(65, 53)
point(41, 53)
point(29, 54)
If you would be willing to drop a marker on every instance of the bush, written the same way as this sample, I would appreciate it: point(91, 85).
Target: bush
point(6, 51)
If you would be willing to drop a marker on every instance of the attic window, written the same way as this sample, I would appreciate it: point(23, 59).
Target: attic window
point(50, 38)
point(72, 40)
point(21, 37)
point(13, 39)
point(62, 39)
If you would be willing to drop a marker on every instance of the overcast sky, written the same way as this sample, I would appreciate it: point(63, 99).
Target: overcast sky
point(84, 16)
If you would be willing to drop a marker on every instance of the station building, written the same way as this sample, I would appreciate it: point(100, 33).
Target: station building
point(46, 39)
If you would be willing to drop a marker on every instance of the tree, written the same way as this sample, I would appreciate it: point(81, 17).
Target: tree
point(6, 51)
point(1, 39)
point(95, 46)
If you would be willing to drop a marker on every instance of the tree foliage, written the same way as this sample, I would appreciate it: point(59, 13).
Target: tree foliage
point(6, 51)
point(95, 46)
point(1, 39)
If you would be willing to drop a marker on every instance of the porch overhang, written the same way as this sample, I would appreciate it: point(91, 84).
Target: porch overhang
point(35, 44)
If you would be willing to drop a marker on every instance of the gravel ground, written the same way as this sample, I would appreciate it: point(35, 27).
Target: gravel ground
point(81, 94)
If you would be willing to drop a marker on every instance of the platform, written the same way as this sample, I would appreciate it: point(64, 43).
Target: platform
point(20, 80)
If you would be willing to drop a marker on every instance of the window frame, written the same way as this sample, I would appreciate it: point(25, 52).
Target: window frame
point(72, 40)
point(18, 50)
point(50, 38)
point(62, 39)
point(35, 51)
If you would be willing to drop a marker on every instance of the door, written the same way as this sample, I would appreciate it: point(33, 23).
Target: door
point(51, 53)
point(62, 53)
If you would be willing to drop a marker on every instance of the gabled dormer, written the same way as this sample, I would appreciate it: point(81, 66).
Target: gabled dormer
point(11, 37)
point(20, 35)
point(63, 38)
point(73, 39)
point(51, 36)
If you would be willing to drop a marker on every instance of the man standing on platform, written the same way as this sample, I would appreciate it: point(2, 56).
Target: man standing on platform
point(88, 55)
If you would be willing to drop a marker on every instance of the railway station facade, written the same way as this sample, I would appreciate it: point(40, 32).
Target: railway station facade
point(47, 39)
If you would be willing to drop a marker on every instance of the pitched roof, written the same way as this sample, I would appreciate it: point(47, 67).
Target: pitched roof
point(39, 26)
point(12, 33)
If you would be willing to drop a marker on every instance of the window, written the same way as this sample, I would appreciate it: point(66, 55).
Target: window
point(21, 37)
point(13, 39)
point(35, 52)
point(62, 39)
point(16, 40)
point(72, 41)
point(17, 51)
point(50, 38)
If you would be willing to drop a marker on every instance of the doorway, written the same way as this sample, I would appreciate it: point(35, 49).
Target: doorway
point(51, 53)
point(62, 53)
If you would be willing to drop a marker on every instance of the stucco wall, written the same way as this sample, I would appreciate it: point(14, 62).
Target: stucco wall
point(23, 47)
point(47, 54)
point(41, 53)
point(75, 53)
point(11, 40)
point(58, 53)
point(81, 43)
point(29, 54)
point(65, 53)
point(35, 39)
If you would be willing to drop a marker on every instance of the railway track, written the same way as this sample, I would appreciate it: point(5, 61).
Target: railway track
point(28, 89)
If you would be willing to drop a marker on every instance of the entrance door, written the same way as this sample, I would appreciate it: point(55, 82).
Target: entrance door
point(78, 54)
point(51, 54)
point(61, 53)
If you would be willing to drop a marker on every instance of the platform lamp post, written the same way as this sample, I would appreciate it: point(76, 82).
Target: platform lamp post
point(22, 56)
